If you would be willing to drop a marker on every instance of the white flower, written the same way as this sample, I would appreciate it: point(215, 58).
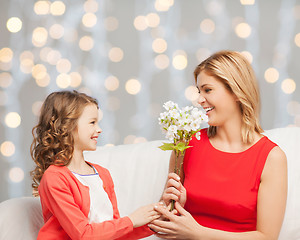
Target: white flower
point(187, 128)
point(187, 109)
point(197, 135)
point(170, 105)
point(195, 125)
point(175, 121)
point(172, 129)
point(174, 113)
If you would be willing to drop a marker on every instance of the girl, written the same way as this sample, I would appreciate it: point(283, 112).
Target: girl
point(235, 179)
point(77, 197)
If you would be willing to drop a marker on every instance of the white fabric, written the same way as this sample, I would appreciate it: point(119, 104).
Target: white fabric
point(20, 218)
point(139, 172)
point(100, 206)
point(288, 139)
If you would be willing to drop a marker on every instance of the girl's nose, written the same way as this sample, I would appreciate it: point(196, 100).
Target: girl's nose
point(99, 130)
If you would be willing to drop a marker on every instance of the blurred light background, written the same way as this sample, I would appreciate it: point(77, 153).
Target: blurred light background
point(134, 55)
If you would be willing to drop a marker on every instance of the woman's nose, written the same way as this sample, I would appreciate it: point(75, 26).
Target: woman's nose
point(201, 99)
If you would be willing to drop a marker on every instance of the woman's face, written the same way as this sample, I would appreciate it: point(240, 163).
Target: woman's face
point(219, 103)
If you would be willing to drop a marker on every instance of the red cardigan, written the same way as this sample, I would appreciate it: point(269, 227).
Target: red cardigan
point(66, 204)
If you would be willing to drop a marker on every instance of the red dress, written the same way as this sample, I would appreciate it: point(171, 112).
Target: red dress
point(222, 187)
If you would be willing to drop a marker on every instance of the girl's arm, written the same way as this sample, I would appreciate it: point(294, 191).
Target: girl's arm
point(270, 210)
point(56, 195)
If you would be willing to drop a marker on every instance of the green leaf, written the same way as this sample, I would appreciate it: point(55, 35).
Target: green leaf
point(167, 146)
point(181, 147)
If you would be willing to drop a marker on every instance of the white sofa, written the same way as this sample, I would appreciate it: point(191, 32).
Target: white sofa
point(139, 172)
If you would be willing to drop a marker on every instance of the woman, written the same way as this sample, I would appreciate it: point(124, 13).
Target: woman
point(235, 179)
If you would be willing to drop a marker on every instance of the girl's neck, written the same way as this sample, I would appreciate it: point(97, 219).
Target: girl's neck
point(79, 165)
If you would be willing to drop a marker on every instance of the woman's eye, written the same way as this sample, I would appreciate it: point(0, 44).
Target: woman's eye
point(93, 122)
point(207, 90)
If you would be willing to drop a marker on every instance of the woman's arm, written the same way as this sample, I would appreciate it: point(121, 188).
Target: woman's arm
point(270, 210)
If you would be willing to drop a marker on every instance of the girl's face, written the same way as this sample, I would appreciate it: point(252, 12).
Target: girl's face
point(219, 103)
point(88, 130)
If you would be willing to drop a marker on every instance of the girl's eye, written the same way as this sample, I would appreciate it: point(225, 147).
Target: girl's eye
point(93, 122)
point(207, 90)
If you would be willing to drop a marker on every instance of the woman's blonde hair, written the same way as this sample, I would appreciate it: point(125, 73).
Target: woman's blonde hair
point(235, 72)
point(52, 136)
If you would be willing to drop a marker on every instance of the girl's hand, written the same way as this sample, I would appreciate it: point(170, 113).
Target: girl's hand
point(183, 226)
point(174, 190)
point(144, 215)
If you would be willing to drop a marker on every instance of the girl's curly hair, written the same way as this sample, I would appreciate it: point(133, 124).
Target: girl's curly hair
point(53, 142)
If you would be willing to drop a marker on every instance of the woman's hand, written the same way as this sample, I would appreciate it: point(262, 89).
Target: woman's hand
point(183, 226)
point(174, 190)
point(144, 215)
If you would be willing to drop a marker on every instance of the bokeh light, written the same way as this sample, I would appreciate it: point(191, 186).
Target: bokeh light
point(271, 75)
point(12, 120)
point(44, 53)
point(89, 20)
point(76, 79)
point(129, 139)
point(191, 93)
point(63, 65)
point(36, 107)
point(43, 81)
point(111, 24)
point(14, 24)
point(5, 79)
point(207, 26)
point(39, 71)
point(293, 108)
point(247, 2)
point(140, 23)
point(111, 83)
point(115, 54)
point(86, 43)
point(7, 149)
point(152, 20)
point(179, 60)
point(248, 56)
point(6, 55)
point(16, 174)
point(162, 61)
point(56, 31)
point(39, 36)
point(297, 39)
point(133, 86)
point(53, 57)
point(42, 7)
point(57, 8)
point(288, 86)
point(163, 5)
point(243, 30)
point(63, 80)
point(159, 45)
point(90, 6)
point(26, 65)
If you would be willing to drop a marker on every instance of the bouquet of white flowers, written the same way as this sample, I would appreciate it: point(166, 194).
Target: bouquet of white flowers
point(180, 125)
